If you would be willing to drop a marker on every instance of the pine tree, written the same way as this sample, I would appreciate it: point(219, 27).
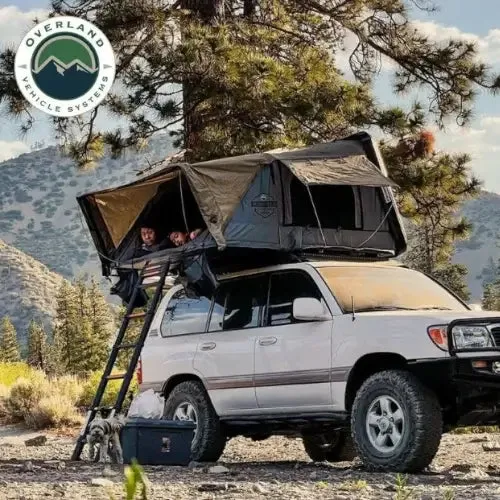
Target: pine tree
point(491, 297)
point(96, 323)
point(275, 64)
point(432, 186)
point(9, 346)
point(71, 345)
point(37, 346)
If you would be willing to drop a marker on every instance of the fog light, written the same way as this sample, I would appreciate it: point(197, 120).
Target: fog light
point(481, 364)
point(495, 366)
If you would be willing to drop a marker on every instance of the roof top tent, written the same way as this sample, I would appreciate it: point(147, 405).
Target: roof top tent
point(332, 199)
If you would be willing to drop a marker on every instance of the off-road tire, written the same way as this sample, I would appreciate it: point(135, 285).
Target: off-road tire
point(423, 422)
point(210, 440)
point(341, 450)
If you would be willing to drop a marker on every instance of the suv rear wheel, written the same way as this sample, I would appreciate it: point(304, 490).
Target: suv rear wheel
point(190, 401)
point(333, 446)
point(396, 422)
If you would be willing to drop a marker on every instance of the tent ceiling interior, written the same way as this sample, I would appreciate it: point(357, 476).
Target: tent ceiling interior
point(333, 196)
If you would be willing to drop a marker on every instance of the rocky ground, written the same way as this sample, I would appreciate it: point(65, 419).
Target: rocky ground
point(274, 469)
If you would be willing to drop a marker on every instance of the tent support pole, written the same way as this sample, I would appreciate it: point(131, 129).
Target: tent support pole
point(182, 203)
point(316, 214)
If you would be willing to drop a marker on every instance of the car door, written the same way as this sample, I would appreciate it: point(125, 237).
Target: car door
point(225, 356)
point(292, 358)
point(173, 338)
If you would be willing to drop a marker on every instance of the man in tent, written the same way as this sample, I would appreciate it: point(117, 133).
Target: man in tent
point(150, 242)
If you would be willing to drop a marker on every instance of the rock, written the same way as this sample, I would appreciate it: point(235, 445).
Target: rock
point(475, 475)
point(107, 472)
point(101, 481)
point(4, 483)
point(313, 475)
point(218, 469)
point(195, 465)
point(480, 439)
point(212, 487)
point(55, 464)
point(28, 466)
point(491, 446)
point(36, 441)
point(258, 488)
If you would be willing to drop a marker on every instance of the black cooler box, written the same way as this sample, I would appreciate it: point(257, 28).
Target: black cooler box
point(157, 442)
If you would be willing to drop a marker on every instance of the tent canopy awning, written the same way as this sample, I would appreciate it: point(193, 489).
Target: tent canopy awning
point(218, 186)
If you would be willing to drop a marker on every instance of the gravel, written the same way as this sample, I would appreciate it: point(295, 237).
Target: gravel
point(276, 468)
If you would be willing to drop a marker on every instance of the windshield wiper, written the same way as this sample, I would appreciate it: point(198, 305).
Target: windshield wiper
point(386, 308)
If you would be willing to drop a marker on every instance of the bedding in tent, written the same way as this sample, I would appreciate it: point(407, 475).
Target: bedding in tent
point(333, 199)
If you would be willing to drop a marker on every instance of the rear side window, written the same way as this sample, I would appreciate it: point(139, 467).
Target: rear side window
point(185, 315)
point(285, 287)
point(239, 304)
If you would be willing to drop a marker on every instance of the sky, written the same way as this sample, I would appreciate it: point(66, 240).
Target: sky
point(478, 21)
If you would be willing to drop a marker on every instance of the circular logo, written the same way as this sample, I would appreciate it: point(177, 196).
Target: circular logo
point(65, 66)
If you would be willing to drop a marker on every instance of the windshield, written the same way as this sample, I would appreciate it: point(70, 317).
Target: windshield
point(382, 288)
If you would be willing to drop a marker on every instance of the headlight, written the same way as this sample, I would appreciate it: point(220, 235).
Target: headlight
point(471, 337)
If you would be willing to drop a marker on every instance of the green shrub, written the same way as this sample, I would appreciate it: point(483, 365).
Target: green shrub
point(110, 394)
point(25, 394)
point(56, 410)
point(10, 372)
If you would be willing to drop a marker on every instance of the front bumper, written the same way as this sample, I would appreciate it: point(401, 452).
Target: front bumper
point(475, 374)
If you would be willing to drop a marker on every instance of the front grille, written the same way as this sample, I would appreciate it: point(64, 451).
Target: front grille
point(495, 332)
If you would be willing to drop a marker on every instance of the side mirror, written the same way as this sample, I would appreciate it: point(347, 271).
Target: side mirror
point(309, 309)
point(475, 307)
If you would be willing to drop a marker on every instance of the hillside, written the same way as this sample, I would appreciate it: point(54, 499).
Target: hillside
point(481, 251)
point(39, 213)
point(40, 216)
point(28, 289)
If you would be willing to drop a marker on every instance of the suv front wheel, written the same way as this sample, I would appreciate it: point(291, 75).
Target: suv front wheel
point(190, 401)
point(396, 422)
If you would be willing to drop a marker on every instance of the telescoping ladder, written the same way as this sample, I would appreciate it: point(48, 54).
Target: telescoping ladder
point(149, 271)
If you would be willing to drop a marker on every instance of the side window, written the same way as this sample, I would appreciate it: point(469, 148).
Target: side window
point(185, 315)
point(285, 287)
point(239, 304)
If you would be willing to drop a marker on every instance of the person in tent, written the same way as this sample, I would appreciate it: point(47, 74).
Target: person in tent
point(150, 241)
point(179, 238)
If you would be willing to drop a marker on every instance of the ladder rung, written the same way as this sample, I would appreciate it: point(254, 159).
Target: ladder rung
point(149, 285)
point(116, 376)
point(136, 315)
point(105, 408)
point(127, 346)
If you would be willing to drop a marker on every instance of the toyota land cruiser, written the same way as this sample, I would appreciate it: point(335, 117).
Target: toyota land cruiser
point(360, 359)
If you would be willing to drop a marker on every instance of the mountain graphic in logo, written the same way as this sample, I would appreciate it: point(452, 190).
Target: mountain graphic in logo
point(65, 66)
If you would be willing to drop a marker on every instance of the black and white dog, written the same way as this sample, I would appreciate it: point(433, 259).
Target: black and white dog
point(104, 437)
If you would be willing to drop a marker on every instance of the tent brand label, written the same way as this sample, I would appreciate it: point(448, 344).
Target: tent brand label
point(264, 205)
point(65, 66)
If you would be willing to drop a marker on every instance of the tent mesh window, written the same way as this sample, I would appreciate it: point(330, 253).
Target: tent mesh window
point(335, 205)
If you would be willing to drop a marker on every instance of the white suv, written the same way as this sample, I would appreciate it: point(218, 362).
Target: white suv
point(367, 359)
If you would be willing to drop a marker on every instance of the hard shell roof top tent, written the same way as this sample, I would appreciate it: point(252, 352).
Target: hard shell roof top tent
point(332, 199)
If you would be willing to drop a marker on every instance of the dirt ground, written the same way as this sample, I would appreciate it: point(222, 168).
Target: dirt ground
point(274, 469)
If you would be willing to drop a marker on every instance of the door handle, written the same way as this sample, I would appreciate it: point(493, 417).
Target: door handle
point(268, 340)
point(208, 346)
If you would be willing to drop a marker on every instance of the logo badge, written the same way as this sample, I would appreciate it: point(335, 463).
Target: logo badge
point(65, 66)
point(264, 205)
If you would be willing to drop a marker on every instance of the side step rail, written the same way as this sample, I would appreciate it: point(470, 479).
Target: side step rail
point(148, 271)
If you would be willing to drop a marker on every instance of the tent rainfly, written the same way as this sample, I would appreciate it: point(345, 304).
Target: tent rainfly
point(334, 198)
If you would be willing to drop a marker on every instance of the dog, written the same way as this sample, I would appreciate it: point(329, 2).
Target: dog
point(104, 436)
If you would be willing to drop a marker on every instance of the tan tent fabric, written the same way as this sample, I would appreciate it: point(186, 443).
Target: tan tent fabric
point(352, 171)
point(218, 191)
point(121, 207)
